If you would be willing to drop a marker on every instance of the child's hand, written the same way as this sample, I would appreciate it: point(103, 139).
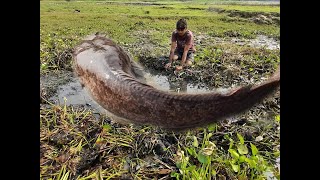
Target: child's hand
point(179, 68)
point(167, 65)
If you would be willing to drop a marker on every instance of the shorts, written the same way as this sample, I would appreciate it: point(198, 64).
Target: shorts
point(190, 55)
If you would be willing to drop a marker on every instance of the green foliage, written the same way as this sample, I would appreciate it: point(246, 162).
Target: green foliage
point(203, 160)
point(251, 163)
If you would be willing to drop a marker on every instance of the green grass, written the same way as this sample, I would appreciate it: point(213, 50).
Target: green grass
point(61, 28)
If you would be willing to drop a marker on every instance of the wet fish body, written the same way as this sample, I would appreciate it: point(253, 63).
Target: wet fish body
point(113, 80)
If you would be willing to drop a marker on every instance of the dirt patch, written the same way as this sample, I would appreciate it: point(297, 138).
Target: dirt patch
point(195, 8)
point(256, 17)
point(261, 41)
point(218, 10)
point(245, 16)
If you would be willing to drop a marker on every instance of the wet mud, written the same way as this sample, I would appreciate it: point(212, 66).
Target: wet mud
point(245, 16)
point(257, 17)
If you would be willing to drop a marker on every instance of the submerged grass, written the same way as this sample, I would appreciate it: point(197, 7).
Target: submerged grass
point(76, 143)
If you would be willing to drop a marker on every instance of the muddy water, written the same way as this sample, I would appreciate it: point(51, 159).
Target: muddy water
point(161, 82)
point(73, 93)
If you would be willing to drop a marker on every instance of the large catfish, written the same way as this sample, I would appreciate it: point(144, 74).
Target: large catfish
point(112, 79)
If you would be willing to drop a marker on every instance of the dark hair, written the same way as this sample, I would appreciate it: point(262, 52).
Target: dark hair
point(181, 24)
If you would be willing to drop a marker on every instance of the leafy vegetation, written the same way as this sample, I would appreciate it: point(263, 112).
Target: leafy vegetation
point(77, 145)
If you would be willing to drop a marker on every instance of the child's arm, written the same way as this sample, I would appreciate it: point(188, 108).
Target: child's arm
point(173, 46)
point(184, 56)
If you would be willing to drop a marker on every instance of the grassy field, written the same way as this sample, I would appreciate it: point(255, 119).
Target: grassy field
point(61, 27)
point(75, 144)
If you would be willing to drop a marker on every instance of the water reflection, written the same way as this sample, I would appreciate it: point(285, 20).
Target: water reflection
point(177, 85)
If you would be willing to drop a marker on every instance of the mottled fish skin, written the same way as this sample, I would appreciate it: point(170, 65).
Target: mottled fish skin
point(108, 73)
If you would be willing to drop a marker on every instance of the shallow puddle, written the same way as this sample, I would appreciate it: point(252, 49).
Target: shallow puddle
point(72, 93)
point(161, 82)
